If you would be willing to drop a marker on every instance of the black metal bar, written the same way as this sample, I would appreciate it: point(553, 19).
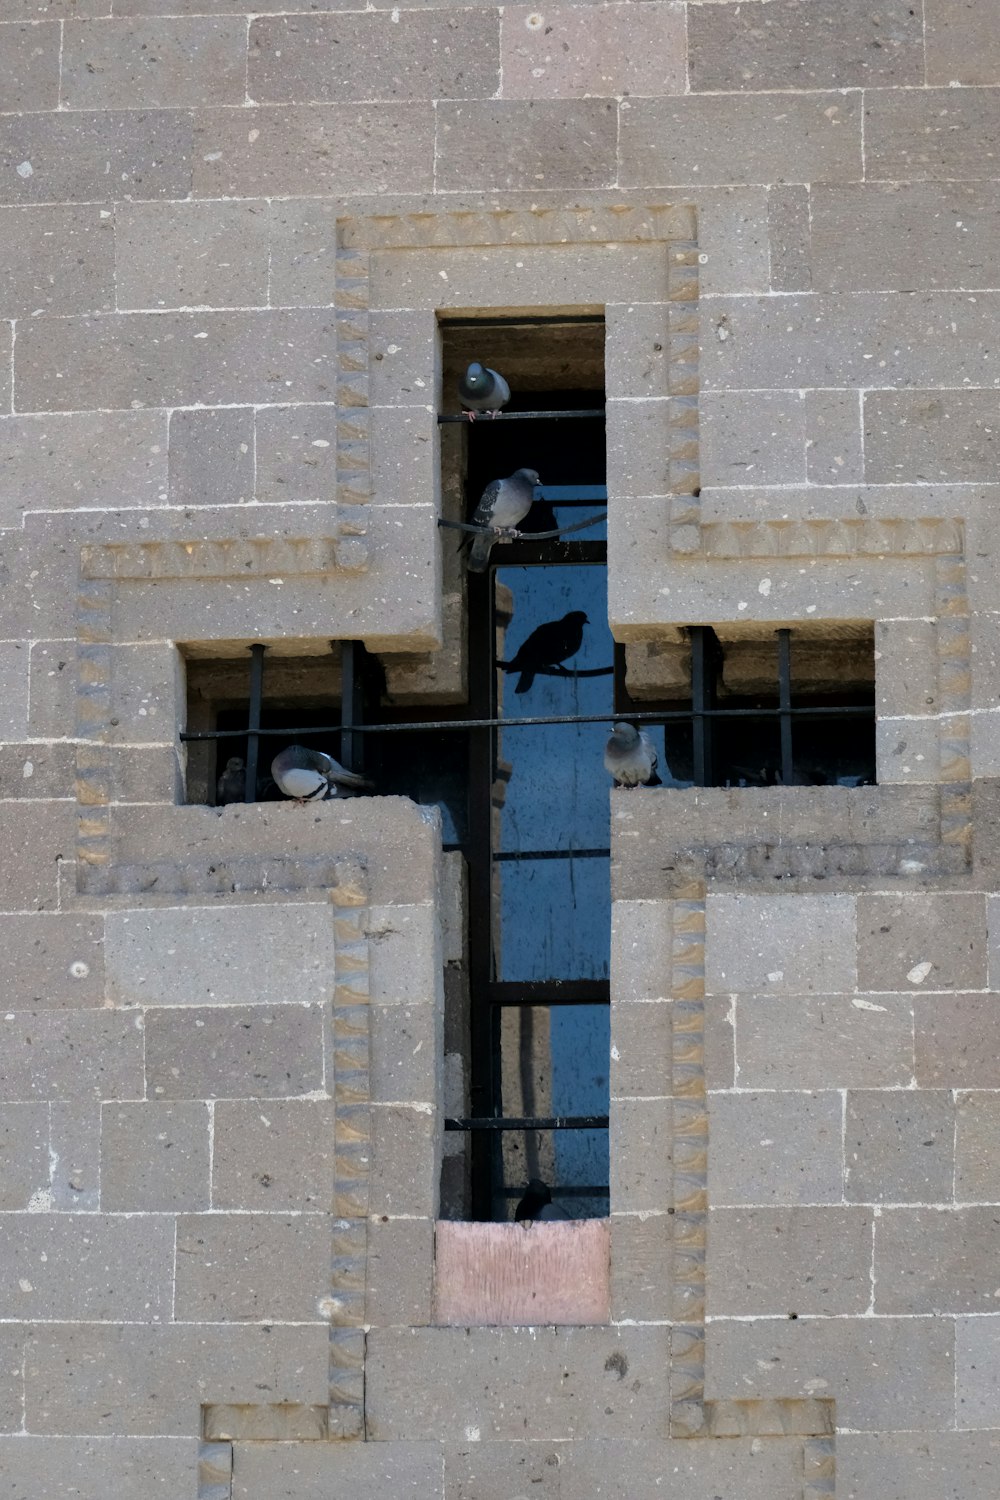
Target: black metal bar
point(542, 320)
point(482, 1043)
point(702, 668)
point(511, 856)
point(550, 992)
point(600, 1190)
point(530, 1122)
point(785, 703)
point(526, 416)
point(253, 720)
point(667, 716)
point(531, 536)
point(352, 703)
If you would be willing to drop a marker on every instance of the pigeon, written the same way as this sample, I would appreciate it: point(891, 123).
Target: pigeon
point(548, 645)
point(537, 1197)
point(503, 503)
point(312, 776)
point(481, 389)
point(630, 756)
point(230, 785)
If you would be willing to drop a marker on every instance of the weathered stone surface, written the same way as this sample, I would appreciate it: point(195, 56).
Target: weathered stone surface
point(788, 238)
point(65, 1054)
point(29, 67)
point(116, 1267)
point(34, 839)
point(11, 1384)
point(783, 945)
point(957, 1037)
point(405, 1053)
point(641, 1050)
point(640, 1141)
point(192, 254)
point(155, 1157)
point(931, 435)
point(783, 138)
point(824, 1041)
point(43, 1468)
point(434, 1381)
point(789, 1260)
point(24, 1156)
point(977, 1371)
point(756, 438)
point(883, 1373)
point(144, 1381)
point(14, 657)
point(825, 44)
point(515, 144)
point(937, 942)
point(75, 1155)
point(915, 134)
point(775, 1148)
point(405, 1150)
point(303, 246)
point(899, 1146)
point(597, 51)
point(55, 260)
point(252, 1267)
point(929, 1260)
point(452, 54)
point(400, 1272)
point(404, 953)
point(74, 157)
point(489, 1275)
point(641, 950)
point(893, 1467)
point(834, 440)
point(367, 1471)
point(82, 459)
point(234, 1051)
point(925, 234)
point(296, 454)
point(642, 1258)
point(211, 457)
point(276, 1158)
point(977, 1147)
point(172, 63)
point(961, 43)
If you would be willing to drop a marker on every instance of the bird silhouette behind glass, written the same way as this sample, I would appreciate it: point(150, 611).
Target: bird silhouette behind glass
point(548, 645)
point(312, 776)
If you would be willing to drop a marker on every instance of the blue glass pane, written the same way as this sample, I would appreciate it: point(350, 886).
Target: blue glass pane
point(555, 919)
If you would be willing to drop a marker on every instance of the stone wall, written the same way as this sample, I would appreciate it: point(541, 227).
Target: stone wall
point(224, 238)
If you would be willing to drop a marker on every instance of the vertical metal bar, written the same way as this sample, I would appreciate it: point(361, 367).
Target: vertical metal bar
point(701, 694)
point(785, 703)
point(352, 702)
point(253, 720)
point(482, 1024)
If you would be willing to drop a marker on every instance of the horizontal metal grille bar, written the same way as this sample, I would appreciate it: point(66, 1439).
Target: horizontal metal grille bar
point(511, 856)
point(531, 1122)
point(526, 416)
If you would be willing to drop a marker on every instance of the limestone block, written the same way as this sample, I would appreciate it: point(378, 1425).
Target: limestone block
point(11, 1384)
point(329, 149)
point(824, 1041)
point(732, 225)
point(276, 1158)
point(915, 135)
point(405, 1053)
point(24, 1156)
point(405, 953)
point(642, 1255)
point(37, 773)
point(931, 1261)
point(29, 67)
point(200, 60)
point(238, 357)
point(797, 139)
point(117, 1267)
point(906, 667)
point(937, 942)
point(641, 1050)
point(957, 1040)
point(235, 955)
point(75, 1155)
point(70, 460)
point(145, 773)
point(155, 1157)
point(312, 1471)
point(362, 56)
point(593, 53)
point(191, 254)
point(142, 1381)
point(961, 43)
point(211, 456)
point(775, 1148)
point(899, 1146)
point(515, 1382)
point(908, 751)
point(753, 439)
point(399, 1271)
point(719, 1027)
point(637, 359)
point(788, 238)
point(638, 439)
point(405, 359)
point(931, 435)
point(54, 259)
point(52, 688)
point(296, 454)
point(546, 143)
point(405, 456)
point(884, 1373)
point(893, 1467)
point(783, 945)
point(789, 1260)
point(91, 1469)
point(977, 1147)
point(640, 1140)
point(832, 44)
point(252, 1267)
point(66, 1054)
point(14, 657)
point(977, 1371)
point(923, 234)
point(234, 1051)
point(405, 1161)
point(834, 450)
point(74, 156)
point(641, 959)
point(303, 247)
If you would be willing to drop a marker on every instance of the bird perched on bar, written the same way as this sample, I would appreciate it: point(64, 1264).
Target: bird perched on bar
point(481, 389)
point(537, 1205)
point(503, 503)
point(312, 776)
point(548, 645)
point(229, 787)
point(630, 756)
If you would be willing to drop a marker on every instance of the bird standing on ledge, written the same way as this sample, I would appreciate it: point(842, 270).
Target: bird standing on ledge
point(312, 776)
point(482, 389)
point(502, 505)
point(630, 756)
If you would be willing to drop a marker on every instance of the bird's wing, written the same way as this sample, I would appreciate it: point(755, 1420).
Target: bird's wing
point(501, 390)
point(483, 513)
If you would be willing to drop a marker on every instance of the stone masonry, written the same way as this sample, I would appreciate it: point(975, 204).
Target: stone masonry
point(226, 234)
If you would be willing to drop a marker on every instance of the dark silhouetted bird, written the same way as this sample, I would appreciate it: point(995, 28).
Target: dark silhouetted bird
point(229, 787)
point(536, 1206)
point(548, 645)
point(312, 776)
point(630, 756)
point(482, 389)
point(503, 503)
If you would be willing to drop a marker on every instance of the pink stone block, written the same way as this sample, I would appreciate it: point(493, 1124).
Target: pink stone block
point(506, 1274)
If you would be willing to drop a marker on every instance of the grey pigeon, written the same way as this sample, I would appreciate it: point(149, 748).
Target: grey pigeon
point(503, 503)
point(482, 389)
point(630, 756)
point(312, 776)
point(548, 645)
point(229, 787)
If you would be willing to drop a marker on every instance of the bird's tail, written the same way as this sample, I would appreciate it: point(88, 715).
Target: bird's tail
point(524, 682)
point(353, 780)
point(479, 556)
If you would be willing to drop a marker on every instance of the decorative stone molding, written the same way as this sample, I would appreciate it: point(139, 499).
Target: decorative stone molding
point(847, 538)
point(235, 557)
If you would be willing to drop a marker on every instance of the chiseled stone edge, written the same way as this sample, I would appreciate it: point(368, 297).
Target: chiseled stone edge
point(342, 550)
point(215, 1470)
point(847, 537)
